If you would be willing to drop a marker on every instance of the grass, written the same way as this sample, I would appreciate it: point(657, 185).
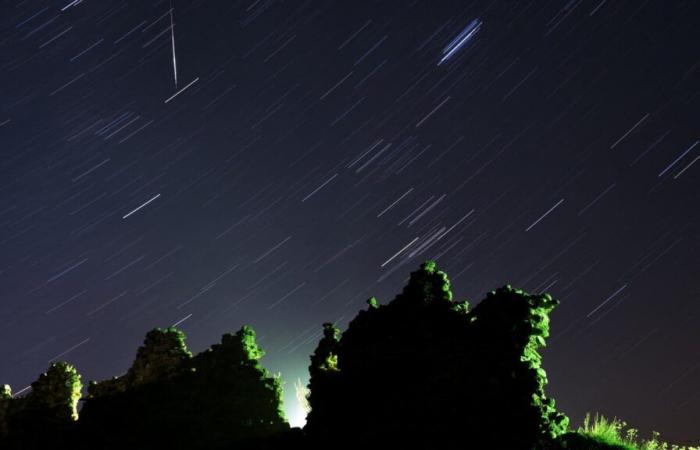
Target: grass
point(615, 433)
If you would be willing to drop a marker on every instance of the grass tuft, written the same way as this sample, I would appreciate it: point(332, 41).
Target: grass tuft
point(615, 433)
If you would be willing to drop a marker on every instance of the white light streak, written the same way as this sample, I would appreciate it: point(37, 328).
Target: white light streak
point(182, 320)
point(181, 90)
point(399, 252)
point(606, 300)
point(544, 215)
point(149, 201)
point(172, 39)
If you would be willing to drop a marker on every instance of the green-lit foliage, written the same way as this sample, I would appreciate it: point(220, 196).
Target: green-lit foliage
point(426, 369)
point(427, 285)
point(236, 397)
point(326, 350)
point(513, 325)
point(169, 399)
point(420, 372)
point(603, 434)
point(47, 413)
point(5, 400)
point(576, 441)
point(323, 373)
point(137, 406)
point(162, 356)
point(372, 302)
point(57, 392)
point(603, 429)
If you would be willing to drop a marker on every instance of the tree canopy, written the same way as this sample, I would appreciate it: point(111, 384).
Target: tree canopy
point(169, 398)
point(430, 370)
point(46, 414)
point(421, 371)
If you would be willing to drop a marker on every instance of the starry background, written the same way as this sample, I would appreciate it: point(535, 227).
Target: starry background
point(314, 153)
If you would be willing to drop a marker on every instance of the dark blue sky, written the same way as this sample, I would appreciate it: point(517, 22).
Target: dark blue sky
point(310, 141)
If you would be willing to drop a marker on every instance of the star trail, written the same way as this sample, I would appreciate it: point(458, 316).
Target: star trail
point(284, 161)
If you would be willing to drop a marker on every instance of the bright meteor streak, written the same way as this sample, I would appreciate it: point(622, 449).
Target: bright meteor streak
point(172, 40)
point(141, 206)
point(461, 39)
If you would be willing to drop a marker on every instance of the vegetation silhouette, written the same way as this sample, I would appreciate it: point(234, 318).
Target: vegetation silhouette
point(431, 371)
point(170, 399)
point(47, 414)
point(421, 372)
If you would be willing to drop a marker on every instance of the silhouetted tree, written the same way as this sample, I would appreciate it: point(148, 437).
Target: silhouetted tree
point(513, 325)
point(424, 369)
point(47, 413)
point(145, 406)
point(169, 399)
point(161, 357)
point(323, 373)
point(236, 398)
point(56, 392)
point(5, 400)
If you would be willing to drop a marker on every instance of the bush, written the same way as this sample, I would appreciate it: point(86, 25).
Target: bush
point(47, 414)
point(428, 369)
point(169, 399)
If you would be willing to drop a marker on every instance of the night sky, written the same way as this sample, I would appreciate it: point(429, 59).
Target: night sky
point(313, 153)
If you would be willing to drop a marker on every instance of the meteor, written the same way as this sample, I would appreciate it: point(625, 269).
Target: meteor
point(172, 40)
point(455, 44)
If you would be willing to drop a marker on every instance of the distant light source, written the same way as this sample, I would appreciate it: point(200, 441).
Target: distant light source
point(296, 412)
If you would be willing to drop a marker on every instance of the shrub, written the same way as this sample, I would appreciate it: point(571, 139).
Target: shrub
point(429, 370)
